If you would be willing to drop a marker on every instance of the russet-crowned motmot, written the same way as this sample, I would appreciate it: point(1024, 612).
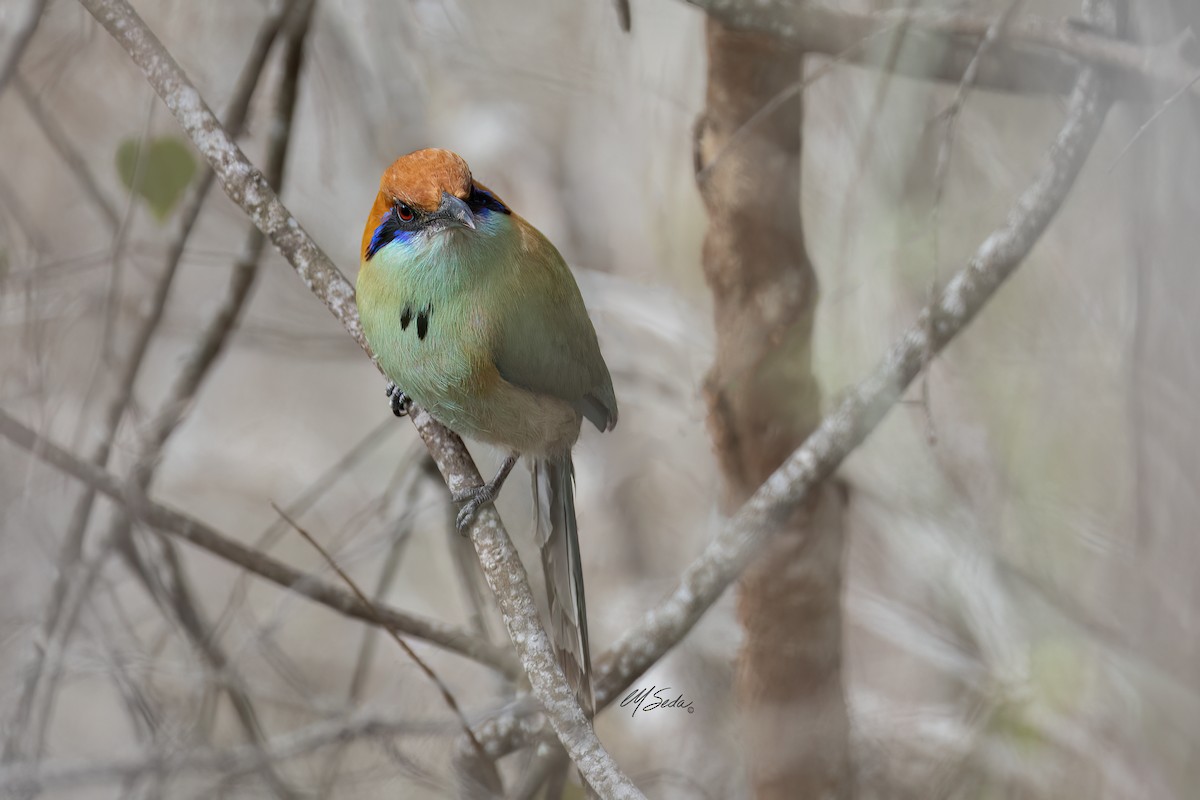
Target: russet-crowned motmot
point(475, 317)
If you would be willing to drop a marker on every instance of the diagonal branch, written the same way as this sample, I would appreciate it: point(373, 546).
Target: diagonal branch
point(182, 526)
point(865, 405)
point(247, 187)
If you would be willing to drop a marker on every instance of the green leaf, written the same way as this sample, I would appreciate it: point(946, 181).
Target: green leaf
point(167, 168)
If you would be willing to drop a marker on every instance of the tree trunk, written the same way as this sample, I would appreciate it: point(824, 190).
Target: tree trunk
point(763, 401)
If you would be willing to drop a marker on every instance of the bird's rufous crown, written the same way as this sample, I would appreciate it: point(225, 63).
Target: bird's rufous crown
point(419, 178)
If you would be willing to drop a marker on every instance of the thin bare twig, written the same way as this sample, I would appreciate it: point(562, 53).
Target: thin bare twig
point(69, 590)
point(970, 76)
point(180, 525)
point(400, 534)
point(306, 500)
point(467, 567)
point(866, 147)
point(56, 628)
point(11, 202)
point(941, 169)
point(447, 695)
point(67, 151)
point(403, 531)
point(20, 41)
point(547, 763)
point(780, 100)
point(1145, 126)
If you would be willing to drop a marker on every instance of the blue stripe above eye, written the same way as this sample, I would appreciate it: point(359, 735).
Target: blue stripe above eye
point(387, 232)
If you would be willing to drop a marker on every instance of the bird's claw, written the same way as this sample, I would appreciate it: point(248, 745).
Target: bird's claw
point(472, 500)
point(400, 402)
point(479, 496)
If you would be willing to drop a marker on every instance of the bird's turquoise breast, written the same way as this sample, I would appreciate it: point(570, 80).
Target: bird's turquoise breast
point(428, 330)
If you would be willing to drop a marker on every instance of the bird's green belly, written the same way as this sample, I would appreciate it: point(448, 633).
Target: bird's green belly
point(440, 377)
point(434, 370)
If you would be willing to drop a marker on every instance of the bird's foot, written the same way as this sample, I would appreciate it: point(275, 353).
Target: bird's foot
point(476, 498)
point(473, 500)
point(399, 401)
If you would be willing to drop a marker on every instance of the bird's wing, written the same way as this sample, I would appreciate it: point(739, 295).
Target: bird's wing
point(545, 341)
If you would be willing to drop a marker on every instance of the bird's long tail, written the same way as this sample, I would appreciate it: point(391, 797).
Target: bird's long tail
point(558, 536)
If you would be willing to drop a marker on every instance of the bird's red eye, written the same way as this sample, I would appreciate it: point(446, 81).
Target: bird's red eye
point(404, 212)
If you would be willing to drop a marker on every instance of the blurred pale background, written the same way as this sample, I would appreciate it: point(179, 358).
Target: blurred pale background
point(1020, 599)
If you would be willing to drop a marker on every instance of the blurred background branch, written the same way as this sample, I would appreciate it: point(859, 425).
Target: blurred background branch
point(1000, 608)
point(172, 522)
point(1036, 54)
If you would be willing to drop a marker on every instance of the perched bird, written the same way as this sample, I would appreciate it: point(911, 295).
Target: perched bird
point(475, 317)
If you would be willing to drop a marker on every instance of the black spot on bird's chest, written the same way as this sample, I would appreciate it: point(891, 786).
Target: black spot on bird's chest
point(423, 322)
point(422, 316)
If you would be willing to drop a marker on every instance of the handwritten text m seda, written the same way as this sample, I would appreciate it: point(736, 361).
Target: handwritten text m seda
point(653, 699)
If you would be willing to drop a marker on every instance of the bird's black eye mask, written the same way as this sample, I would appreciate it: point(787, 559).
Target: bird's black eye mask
point(399, 223)
point(481, 200)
